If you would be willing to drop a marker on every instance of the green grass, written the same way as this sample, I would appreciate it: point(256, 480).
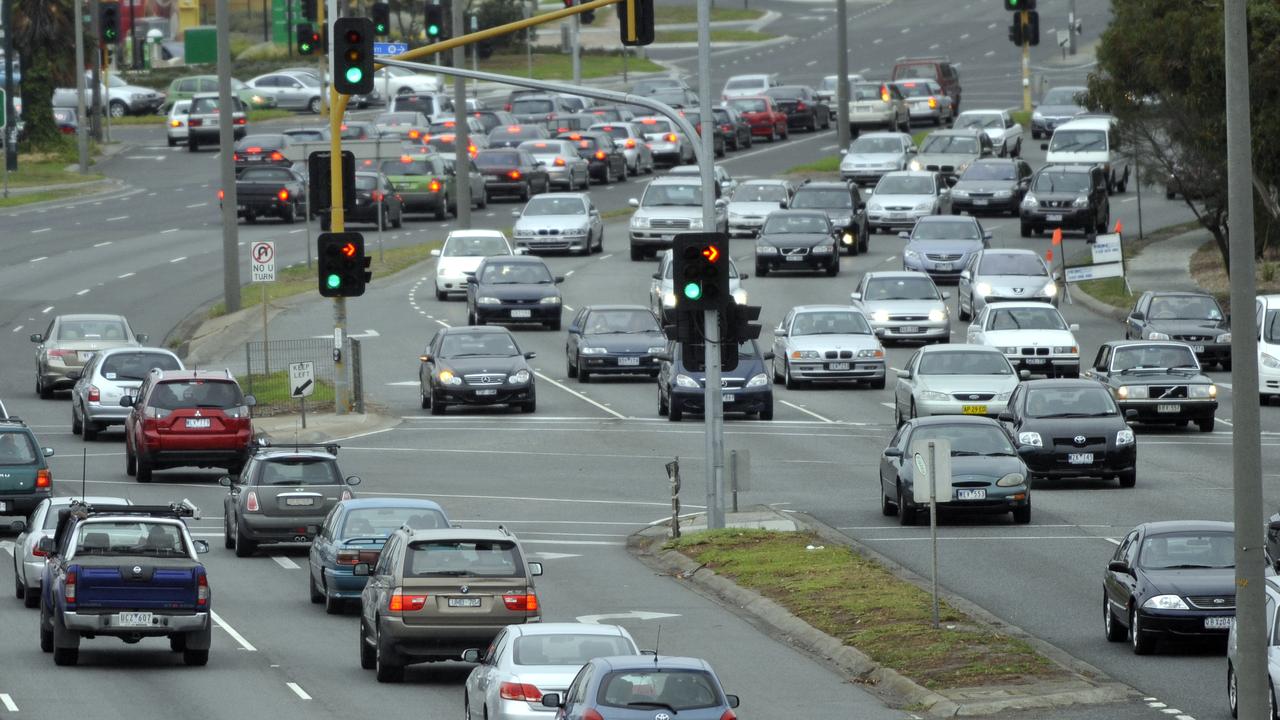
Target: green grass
point(38, 197)
point(617, 213)
point(254, 116)
point(684, 36)
point(48, 172)
point(302, 279)
point(865, 606)
point(1023, 118)
point(685, 14)
point(826, 164)
point(271, 391)
point(555, 66)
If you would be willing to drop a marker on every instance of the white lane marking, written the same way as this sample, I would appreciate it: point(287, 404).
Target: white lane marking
point(566, 307)
point(811, 63)
point(46, 310)
point(83, 292)
point(1128, 200)
point(445, 324)
point(126, 275)
point(1113, 541)
point(297, 690)
point(605, 257)
point(964, 36)
point(934, 46)
point(285, 562)
point(906, 30)
point(1225, 421)
point(295, 232)
point(1225, 385)
point(889, 405)
point(104, 243)
point(197, 205)
point(958, 538)
point(178, 259)
point(805, 411)
point(170, 230)
point(891, 258)
point(39, 259)
point(611, 501)
point(18, 328)
point(989, 53)
point(8, 703)
point(568, 274)
point(877, 41)
point(580, 396)
point(116, 219)
point(41, 230)
point(244, 644)
point(992, 26)
point(6, 546)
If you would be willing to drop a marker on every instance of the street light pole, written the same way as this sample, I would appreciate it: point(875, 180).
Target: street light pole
point(842, 73)
point(226, 165)
point(713, 410)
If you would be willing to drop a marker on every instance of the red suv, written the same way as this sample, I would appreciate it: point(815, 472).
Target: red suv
point(764, 117)
point(187, 418)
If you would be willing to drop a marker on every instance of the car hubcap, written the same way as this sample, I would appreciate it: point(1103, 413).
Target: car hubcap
point(1134, 629)
point(1231, 690)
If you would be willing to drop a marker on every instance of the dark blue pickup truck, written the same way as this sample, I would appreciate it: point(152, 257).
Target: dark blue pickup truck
point(126, 571)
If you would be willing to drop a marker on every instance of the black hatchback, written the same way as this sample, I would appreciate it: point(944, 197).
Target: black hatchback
point(513, 289)
point(604, 157)
point(747, 388)
point(1069, 428)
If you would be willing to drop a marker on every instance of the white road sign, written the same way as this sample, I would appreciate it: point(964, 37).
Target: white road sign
point(926, 473)
point(262, 261)
point(302, 379)
point(1107, 249)
point(1094, 272)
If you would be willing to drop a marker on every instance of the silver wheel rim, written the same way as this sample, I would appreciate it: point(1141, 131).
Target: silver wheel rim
point(1133, 627)
point(1231, 690)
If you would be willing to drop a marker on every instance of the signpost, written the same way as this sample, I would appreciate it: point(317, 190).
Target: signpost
point(262, 266)
point(1108, 261)
point(931, 479)
point(302, 383)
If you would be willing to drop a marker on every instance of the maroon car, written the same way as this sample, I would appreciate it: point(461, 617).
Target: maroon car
point(763, 115)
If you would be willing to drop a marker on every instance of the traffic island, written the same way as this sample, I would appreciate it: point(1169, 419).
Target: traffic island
point(870, 619)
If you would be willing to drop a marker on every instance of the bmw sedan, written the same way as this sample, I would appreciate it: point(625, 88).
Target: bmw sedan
point(475, 366)
point(1071, 429)
point(1032, 335)
point(826, 343)
point(515, 289)
point(954, 380)
point(942, 247)
point(903, 306)
point(613, 340)
point(559, 221)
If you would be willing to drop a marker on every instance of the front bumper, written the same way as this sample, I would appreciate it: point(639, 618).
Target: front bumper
point(989, 408)
point(1183, 623)
point(552, 243)
point(512, 313)
point(1105, 460)
point(1068, 218)
point(744, 400)
point(1173, 410)
point(851, 370)
point(423, 201)
point(896, 218)
point(295, 528)
point(912, 330)
point(807, 261)
point(491, 395)
point(162, 624)
point(1047, 365)
point(451, 283)
point(613, 364)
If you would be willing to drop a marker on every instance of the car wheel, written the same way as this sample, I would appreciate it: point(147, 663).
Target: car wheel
point(437, 405)
point(332, 605)
point(46, 630)
point(584, 376)
point(44, 391)
point(887, 507)
point(144, 468)
point(1205, 425)
point(1141, 642)
point(790, 382)
point(388, 671)
point(178, 642)
point(313, 106)
point(118, 109)
point(1111, 627)
point(244, 546)
point(898, 420)
point(913, 409)
point(878, 383)
point(442, 295)
point(762, 270)
point(290, 214)
point(90, 430)
point(963, 314)
point(834, 268)
point(674, 412)
point(1233, 701)
point(570, 368)
point(906, 513)
point(19, 591)
point(317, 596)
point(529, 407)
point(662, 405)
point(767, 412)
point(368, 655)
point(130, 460)
point(1022, 515)
point(76, 426)
point(554, 324)
point(1025, 230)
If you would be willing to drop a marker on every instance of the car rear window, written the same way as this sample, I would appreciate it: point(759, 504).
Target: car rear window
point(463, 558)
point(16, 448)
point(532, 106)
point(131, 537)
point(568, 649)
point(497, 159)
point(649, 689)
point(91, 330)
point(925, 70)
point(181, 394)
point(136, 365)
point(424, 105)
point(406, 167)
point(268, 142)
point(381, 522)
point(299, 471)
point(266, 175)
point(366, 182)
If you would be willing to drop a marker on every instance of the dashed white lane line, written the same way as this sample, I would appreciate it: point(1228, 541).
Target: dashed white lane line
point(41, 230)
point(126, 275)
point(104, 243)
point(566, 307)
point(297, 690)
point(8, 703)
point(285, 562)
point(295, 232)
point(906, 30)
point(805, 411)
point(992, 26)
point(605, 257)
point(811, 63)
point(934, 46)
point(170, 230)
point(117, 219)
point(46, 310)
point(83, 292)
point(42, 258)
point(964, 36)
point(877, 41)
point(580, 396)
point(197, 205)
point(178, 259)
point(989, 53)
point(18, 328)
point(244, 644)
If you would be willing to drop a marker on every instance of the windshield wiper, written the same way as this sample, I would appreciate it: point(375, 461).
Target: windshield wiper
point(964, 453)
point(1191, 566)
point(653, 704)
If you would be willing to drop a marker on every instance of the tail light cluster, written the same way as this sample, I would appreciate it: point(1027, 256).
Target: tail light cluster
point(241, 411)
point(599, 154)
point(156, 413)
point(514, 174)
point(671, 137)
point(353, 556)
point(401, 602)
point(377, 196)
point(559, 162)
point(61, 353)
point(519, 691)
point(283, 195)
point(277, 156)
point(44, 479)
point(800, 105)
point(251, 502)
point(221, 195)
point(591, 714)
point(631, 143)
point(434, 186)
point(202, 590)
point(69, 586)
point(239, 121)
point(235, 157)
point(195, 122)
point(346, 494)
point(521, 603)
point(728, 715)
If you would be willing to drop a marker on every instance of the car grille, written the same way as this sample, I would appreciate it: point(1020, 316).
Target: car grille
point(944, 257)
point(795, 250)
point(908, 318)
point(1163, 392)
point(1071, 441)
point(1212, 602)
point(973, 396)
point(980, 195)
point(838, 354)
point(1194, 338)
point(548, 231)
point(941, 168)
point(484, 379)
point(660, 223)
point(897, 208)
point(1055, 203)
point(1033, 351)
point(731, 383)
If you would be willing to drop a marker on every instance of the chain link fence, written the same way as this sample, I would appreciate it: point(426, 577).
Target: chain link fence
point(266, 375)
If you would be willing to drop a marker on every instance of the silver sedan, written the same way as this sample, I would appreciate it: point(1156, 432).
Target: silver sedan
point(565, 166)
point(904, 306)
point(827, 343)
point(954, 380)
point(996, 275)
point(28, 566)
point(559, 221)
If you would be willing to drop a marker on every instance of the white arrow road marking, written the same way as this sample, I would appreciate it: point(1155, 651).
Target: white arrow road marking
point(632, 615)
point(6, 546)
point(365, 334)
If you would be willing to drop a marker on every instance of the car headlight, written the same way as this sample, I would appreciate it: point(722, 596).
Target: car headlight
point(486, 300)
point(933, 396)
point(593, 351)
point(871, 353)
point(735, 215)
point(880, 316)
point(766, 249)
point(1133, 392)
point(1066, 350)
point(442, 271)
point(668, 299)
point(1037, 116)
point(1002, 397)
point(758, 380)
point(575, 232)
point(686, 381)
point(874, 207)
point(1124, 437)
point(1008, 350)
point(1032, 439)
point(960, 193)
point(1153, 335)
point(656, 349)
point(1223, 338)
point(910, 255)
point(448, 378)
point(915, 165)
point(522, 233)
point(982, 288)
point(695, 224)
point(961, 168)
point(550, 300)
point(805, 355)
point(936, 315)
point(847, 239)
point(1050, 288)
point(639, 222)
point(924, 206)
point(1270, 361)
point(519, 378)
point(1165, 602)
point(823, 249)
point(1202, 391)
point(740, 296)
point(1080, 202)
point(1011, 480)
point(1029, 201)
point(999, 194)
point(842, 221)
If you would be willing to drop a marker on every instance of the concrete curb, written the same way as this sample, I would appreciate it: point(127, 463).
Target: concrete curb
point(1097, 306)
point(323, 427)
point(780, 623)
point(91, 187)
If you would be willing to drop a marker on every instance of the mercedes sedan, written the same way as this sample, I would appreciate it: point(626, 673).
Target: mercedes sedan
point(475, 366)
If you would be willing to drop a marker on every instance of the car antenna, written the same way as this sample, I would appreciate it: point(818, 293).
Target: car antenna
point(84, 469)
point(656, 641)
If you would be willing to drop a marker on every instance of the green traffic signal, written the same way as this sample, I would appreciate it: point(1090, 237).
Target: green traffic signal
point(433, 30)
point(333, 281)
point(693, 290)
point(354, 75)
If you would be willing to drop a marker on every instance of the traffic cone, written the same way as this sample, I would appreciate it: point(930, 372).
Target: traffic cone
point(1048, 256)
point(1057, 236)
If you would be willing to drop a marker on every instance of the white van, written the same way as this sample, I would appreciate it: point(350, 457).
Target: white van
point(1090, 141)
point(1267, 312)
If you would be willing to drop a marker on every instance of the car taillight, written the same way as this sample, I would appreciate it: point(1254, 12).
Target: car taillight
point(377, 196)
point(283, 194)
point(221, 195)
point(202, 590)
point(401, 602)
point(156, 413)
point(195, 122)
point(61, 353)
point(44, 479)
point(728, 715)
point(239, 121)
point(235, 157)
point(434, 186)
point(514, 174)
point(472, 150)
point(277, 156)
point(599, 154)
point(671, 137)
point(559, 162)
point(414, 134)
point(241, 411)
point(521, 603)
point(631, 143)
point(175, 123)
point(507, 107)
point(253, 150)
point(591, 714)
point(519, 691)
point(800, 106)
point(69, 587)
point(37, 552)
point(95, 395)
point(251, 502)
point(346, 494)
point(933, 103)
point(348, 557)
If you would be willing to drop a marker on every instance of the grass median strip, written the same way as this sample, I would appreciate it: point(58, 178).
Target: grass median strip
point(866, 607)
point(554, 66)
point(688, 14)
point(685, 36)
point(271, 391)
point(1112, 291)
point(827, 164)
point(47, 172)
point(38, 197)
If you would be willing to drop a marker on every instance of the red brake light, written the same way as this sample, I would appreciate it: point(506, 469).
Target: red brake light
point(400, 602)
point(253, 150)
point(519, 691)
point(671, 137)
point(521, 603)
point(514, 174)
point(195, 122)
point(414, 134)
point(728, 715)
point(235, 157)
point(377, 196)
point(649, 121)
point(277, 156)
point(513, 128)
point(800, 105)
point(559, 162)
point(251, 502)
point(539, 145)
point(95, 395)
point(283, 195)
point(507, 107)
point(37, 552)
point(449, 123)
point(631, 143)
point(69, 588)
point(434, 186)
point(348, 557)
point(44, 479)
point(221, 195)
point(599, 154)
point(909, 84)
point(591, 714)
point(575, 136)
point(239, 121)
point(202, 590)
point(61, 353)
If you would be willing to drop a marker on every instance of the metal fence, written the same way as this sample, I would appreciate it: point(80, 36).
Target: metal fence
point(266, 373)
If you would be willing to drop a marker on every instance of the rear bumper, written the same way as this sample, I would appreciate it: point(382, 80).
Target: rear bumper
point(198, 458)
point(421, 201)
point(22, 504)
point(105, 414)
point(108, 624)
point(538, 313)
point(342, 584)
point(299, 528)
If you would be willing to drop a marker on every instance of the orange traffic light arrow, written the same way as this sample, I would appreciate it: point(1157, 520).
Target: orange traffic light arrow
point(349, 249)
point(711, 253)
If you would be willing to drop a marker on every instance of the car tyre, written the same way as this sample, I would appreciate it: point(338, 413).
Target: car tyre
point(788, 381)
point(834, 268)
point(1233, 701)
point(662, 405)
point(442, 296)
point(332, 605)
point(66, 645)
point(19, 591)
point(762, 270)
point(674, 412)
point(961, 313)
point(178, 642)
point(1128, 479)
point(1142, 643)
point(906, 513)
point(313, 106)
point(195, 658)
point(1111, 626)
point(1022, 515)
point(437, 405)
point(313, 590)
point(529, 407)
point(368, 655)
point(46, 630)
point(144, 468)
point(1205, 425)
point(767, 412)
point(90, 430)
point(878, 383)
point(244, 546)
point(130, 461)
point(387, 670)
point(887, 507)
point(1025, 230)
point(636, 254)
point(44, 391)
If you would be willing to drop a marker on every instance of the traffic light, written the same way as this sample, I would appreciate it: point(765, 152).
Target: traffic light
point(700, 271)
point(309, 9)
point(740, 324)
point(1018, 5)
point(320, 190)
point(434, 22)
point(342, 263)
point(1015, 30)
point(381, 13)
point(310, 41)
point(1031, 31)
point(353, 59)
point(635, 22)
point(109, 23)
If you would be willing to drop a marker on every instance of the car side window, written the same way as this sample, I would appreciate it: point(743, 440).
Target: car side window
point(491, 654)
point(1100, 362)
point(577, 692)
point(914, 363)
point(1131, 549)
point(385, 558)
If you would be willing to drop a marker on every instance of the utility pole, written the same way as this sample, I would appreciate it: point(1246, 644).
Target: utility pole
point(461, 138)
point(1024, 18)
point(82, 128)
point(95, 31)
point(576, 37)
point(337, 212)
point(842, 73)
point(226, 165)
point(10, 135)
point(1246, 452)
point(1071, 27)
point(713, 411)
point(322, 59)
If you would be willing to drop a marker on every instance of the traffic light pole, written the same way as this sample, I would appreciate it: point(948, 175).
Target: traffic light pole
point(323, 57)
point(82, 127)
point(1024, 18)
point(461, 136)
point(842, 73)
point(337, 213)
point(226, 164)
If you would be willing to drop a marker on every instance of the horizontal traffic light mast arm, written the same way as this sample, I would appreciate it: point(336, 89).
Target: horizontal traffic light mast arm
point(501, 30)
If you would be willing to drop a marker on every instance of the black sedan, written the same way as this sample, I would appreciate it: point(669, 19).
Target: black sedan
point(475, 366)
point(269, 191)
point(797, 240)
point(1160, 381)
point(991, 185)
point(1071, 429)
point(605, 158)
point(513, 289)
point(1195, 318)
point(987, 476)
point(802, 108)
point(508, 171)
point(377, 202)
point(613, 340)
point(736, 129)
point(259, 150)
point(1171, 579)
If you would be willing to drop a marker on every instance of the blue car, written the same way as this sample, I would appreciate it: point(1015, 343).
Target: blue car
point(635, 687)
point(354, 532)
point(942, 246)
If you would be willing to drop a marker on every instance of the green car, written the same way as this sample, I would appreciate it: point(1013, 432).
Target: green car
point(423, 184)
point(25, 479)
point(184, 88)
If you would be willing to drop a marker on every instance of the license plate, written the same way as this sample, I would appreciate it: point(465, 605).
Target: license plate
point(134, 619)
point(1168, 408)
point(980, 201)
point(1053, 218)
point(1080, 458)
point(942, 267)
point(974, 409)
point(521, 313)
point(908, 329)
point(1197, 349)
point(837, 366)
point(299, 501)
point(486, 392)
point(4, 506)
point(197, 422)
point(862, 108)
point(464, 602)
point(1034, 361)
point(728, 398)
point(971, 493)
point(897, 215)
point(628, 361)
point(795, 258)
point(1217, 623)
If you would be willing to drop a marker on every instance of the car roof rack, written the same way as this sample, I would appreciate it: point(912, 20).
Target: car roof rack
point(263, 444)
point(176, 510)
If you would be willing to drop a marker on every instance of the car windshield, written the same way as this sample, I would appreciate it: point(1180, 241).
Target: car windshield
point(366, 182)
point(608, 322)
point(875, 145)
point(1026, 318)
point(945, 229)
point(466, 344)
point(532, 106)
point(1064, 96)
point(760, 192)
point(786, 223)
point(266, 175)
point(1070, 402)
point(555, 206)
point(1184, 307)
point(381, 522)
point(73, 330)
point(905, 185)
point(471, 246)
point(657, 689)
point(822, 199)
point(1187, 550)
point(900, 288)
point(131, 537)
point(950, 144)
point(398, 118)
point(979, 122)
point(965, 362)
point(1011, 264)
point(867, 92)
point(1062, 182)
point(299, 471)
point(617, 132)
point(547, 147)
point(990, 171)
point(405, 166)
point(136, 365)
point(463, 558)
point(183, 394)
point(515, 274)
point(568, 649)
point(497, 159)
point(1078, 141)
point(17, 448)
point(967, 439)
point(748, 105)
point(673, 195)
point(844, 322)
point(915, 89)
point(744, 84)
point(1154, 357)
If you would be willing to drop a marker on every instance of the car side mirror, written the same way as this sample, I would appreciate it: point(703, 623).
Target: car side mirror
point(1119, 566)
point(559, 279)
point(73, 374)
point(893, 452)
point(37, 338)
point(664, 355)
point(1131, 414)
point(986, 235)
point(226, 481)
point(732, 700)
point(250, 401)
point(903, 373)
point(1074, 327)
point(780, 330)
point(783, 204)
point(471, 280)
point(844, 151)
point(126, 401)
point(535, 568)
point(551, 700)
point(904, 235)
point(633, 203)
point(45, 545)
point(142, 337)
point(946, 294)
point(744, 276)
point(353, 480)
point(1044, 146)
point(202, 546)
point(1024, 374)
point(1006, 416)
point(530, 355)
point(723, 203)
point(471, 655)
point(913, 150)
point(425, 357)
point(360, 570)
point(435, 252)
point(768, 355)
point(1137, 315)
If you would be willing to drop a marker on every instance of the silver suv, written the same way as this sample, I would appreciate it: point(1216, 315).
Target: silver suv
point(108, 376)
point(670, 206)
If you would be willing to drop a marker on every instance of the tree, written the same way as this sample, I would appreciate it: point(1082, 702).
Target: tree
point(43, 34)
point(1161, 73)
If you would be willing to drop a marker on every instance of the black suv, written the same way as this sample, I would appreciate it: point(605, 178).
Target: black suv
point(1195, 318)
point(802, 108)
point(1071, 197)
point(844, 206)
point(747, 388)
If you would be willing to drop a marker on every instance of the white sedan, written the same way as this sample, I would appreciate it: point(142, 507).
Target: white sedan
point(1032, 335)
point(462, 252)
point(392, 81)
